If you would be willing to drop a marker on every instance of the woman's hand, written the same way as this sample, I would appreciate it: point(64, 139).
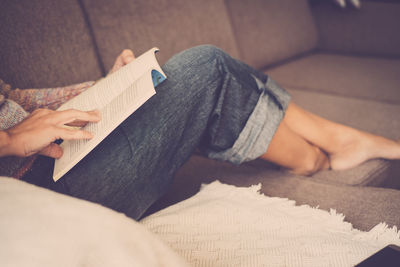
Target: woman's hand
point(38, 131)
point(124, 58)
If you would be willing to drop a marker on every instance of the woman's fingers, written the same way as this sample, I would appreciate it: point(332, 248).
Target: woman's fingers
point(53, 151)
point(77, 123)
point(39, 130)
point(73, 134)
point(72, 115)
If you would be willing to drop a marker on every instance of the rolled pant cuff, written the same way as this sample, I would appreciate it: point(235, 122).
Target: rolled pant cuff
point(255, 137)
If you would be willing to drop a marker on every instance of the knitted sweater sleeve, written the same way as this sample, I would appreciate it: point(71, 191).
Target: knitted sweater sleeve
point(16, 104)
point(51, 98)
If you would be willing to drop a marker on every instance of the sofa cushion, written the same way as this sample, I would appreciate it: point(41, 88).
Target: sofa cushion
point(170, 25)
point(373, 29)
point(372, 116)
point(45, 44)
point(360, 77)
point(273, 30)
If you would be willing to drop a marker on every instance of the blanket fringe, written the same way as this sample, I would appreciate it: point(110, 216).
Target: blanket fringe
point(381, 232)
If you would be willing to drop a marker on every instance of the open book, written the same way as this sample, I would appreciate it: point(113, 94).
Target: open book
point(117, 96)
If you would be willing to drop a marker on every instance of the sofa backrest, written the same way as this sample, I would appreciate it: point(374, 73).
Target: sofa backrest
point(369, 30)
point(45, 43)
point(49, 43)
point(268, 31)
point(170, 25)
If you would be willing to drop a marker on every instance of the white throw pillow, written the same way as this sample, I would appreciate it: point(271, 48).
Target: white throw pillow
point(39, 227)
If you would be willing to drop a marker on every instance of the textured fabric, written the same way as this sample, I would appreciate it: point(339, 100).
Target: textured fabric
point(206, 100)
point(224, 225)
point(257, 134)
point(364, 207)
point(10, 114)
point(14, 105)
point(172, 26)
point(40, 228)
point(359, 77)
point(18, 103)
point(367, 115)
point(273, 30)
point(45, 44)
point(51, 98)
point(376, 172)
point(371, 30)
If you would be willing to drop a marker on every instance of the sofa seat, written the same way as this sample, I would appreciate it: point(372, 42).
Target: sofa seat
point(372, 78)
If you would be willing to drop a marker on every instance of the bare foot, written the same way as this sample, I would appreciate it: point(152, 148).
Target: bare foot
point(124, 58)
point(360, 147)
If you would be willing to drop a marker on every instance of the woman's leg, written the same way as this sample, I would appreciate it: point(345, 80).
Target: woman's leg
point(290, 150)
point(207, 100)
point(345, 147)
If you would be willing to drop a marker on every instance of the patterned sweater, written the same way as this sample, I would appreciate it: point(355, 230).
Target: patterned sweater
point(16, 104)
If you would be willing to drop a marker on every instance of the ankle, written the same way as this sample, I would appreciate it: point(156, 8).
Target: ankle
point(313, 163)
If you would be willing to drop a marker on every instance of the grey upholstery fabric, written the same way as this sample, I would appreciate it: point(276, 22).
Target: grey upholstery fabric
point(170, 25)
point(368, 115)
point(361, 77)
point(364, 207)
point(45, 44)
point(371, 30)
point(377, 173)
point(273, 30)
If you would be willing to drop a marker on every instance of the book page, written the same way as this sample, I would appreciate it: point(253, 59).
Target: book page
point(114, 84)
point(116, 97)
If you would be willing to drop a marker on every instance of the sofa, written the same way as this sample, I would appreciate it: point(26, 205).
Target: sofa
point(343, 64)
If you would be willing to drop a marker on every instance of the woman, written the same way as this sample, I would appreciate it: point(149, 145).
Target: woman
point(209, 102)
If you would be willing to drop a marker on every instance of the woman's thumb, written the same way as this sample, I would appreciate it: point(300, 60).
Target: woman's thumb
point(53, 151)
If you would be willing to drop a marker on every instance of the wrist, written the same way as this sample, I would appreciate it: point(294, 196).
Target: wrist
point(5, 143)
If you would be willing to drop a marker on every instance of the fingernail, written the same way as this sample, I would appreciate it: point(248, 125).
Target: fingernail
point(96, 112)
point(89, 135)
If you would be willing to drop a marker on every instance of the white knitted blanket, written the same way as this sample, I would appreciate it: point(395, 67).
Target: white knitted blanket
point(225, 225)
